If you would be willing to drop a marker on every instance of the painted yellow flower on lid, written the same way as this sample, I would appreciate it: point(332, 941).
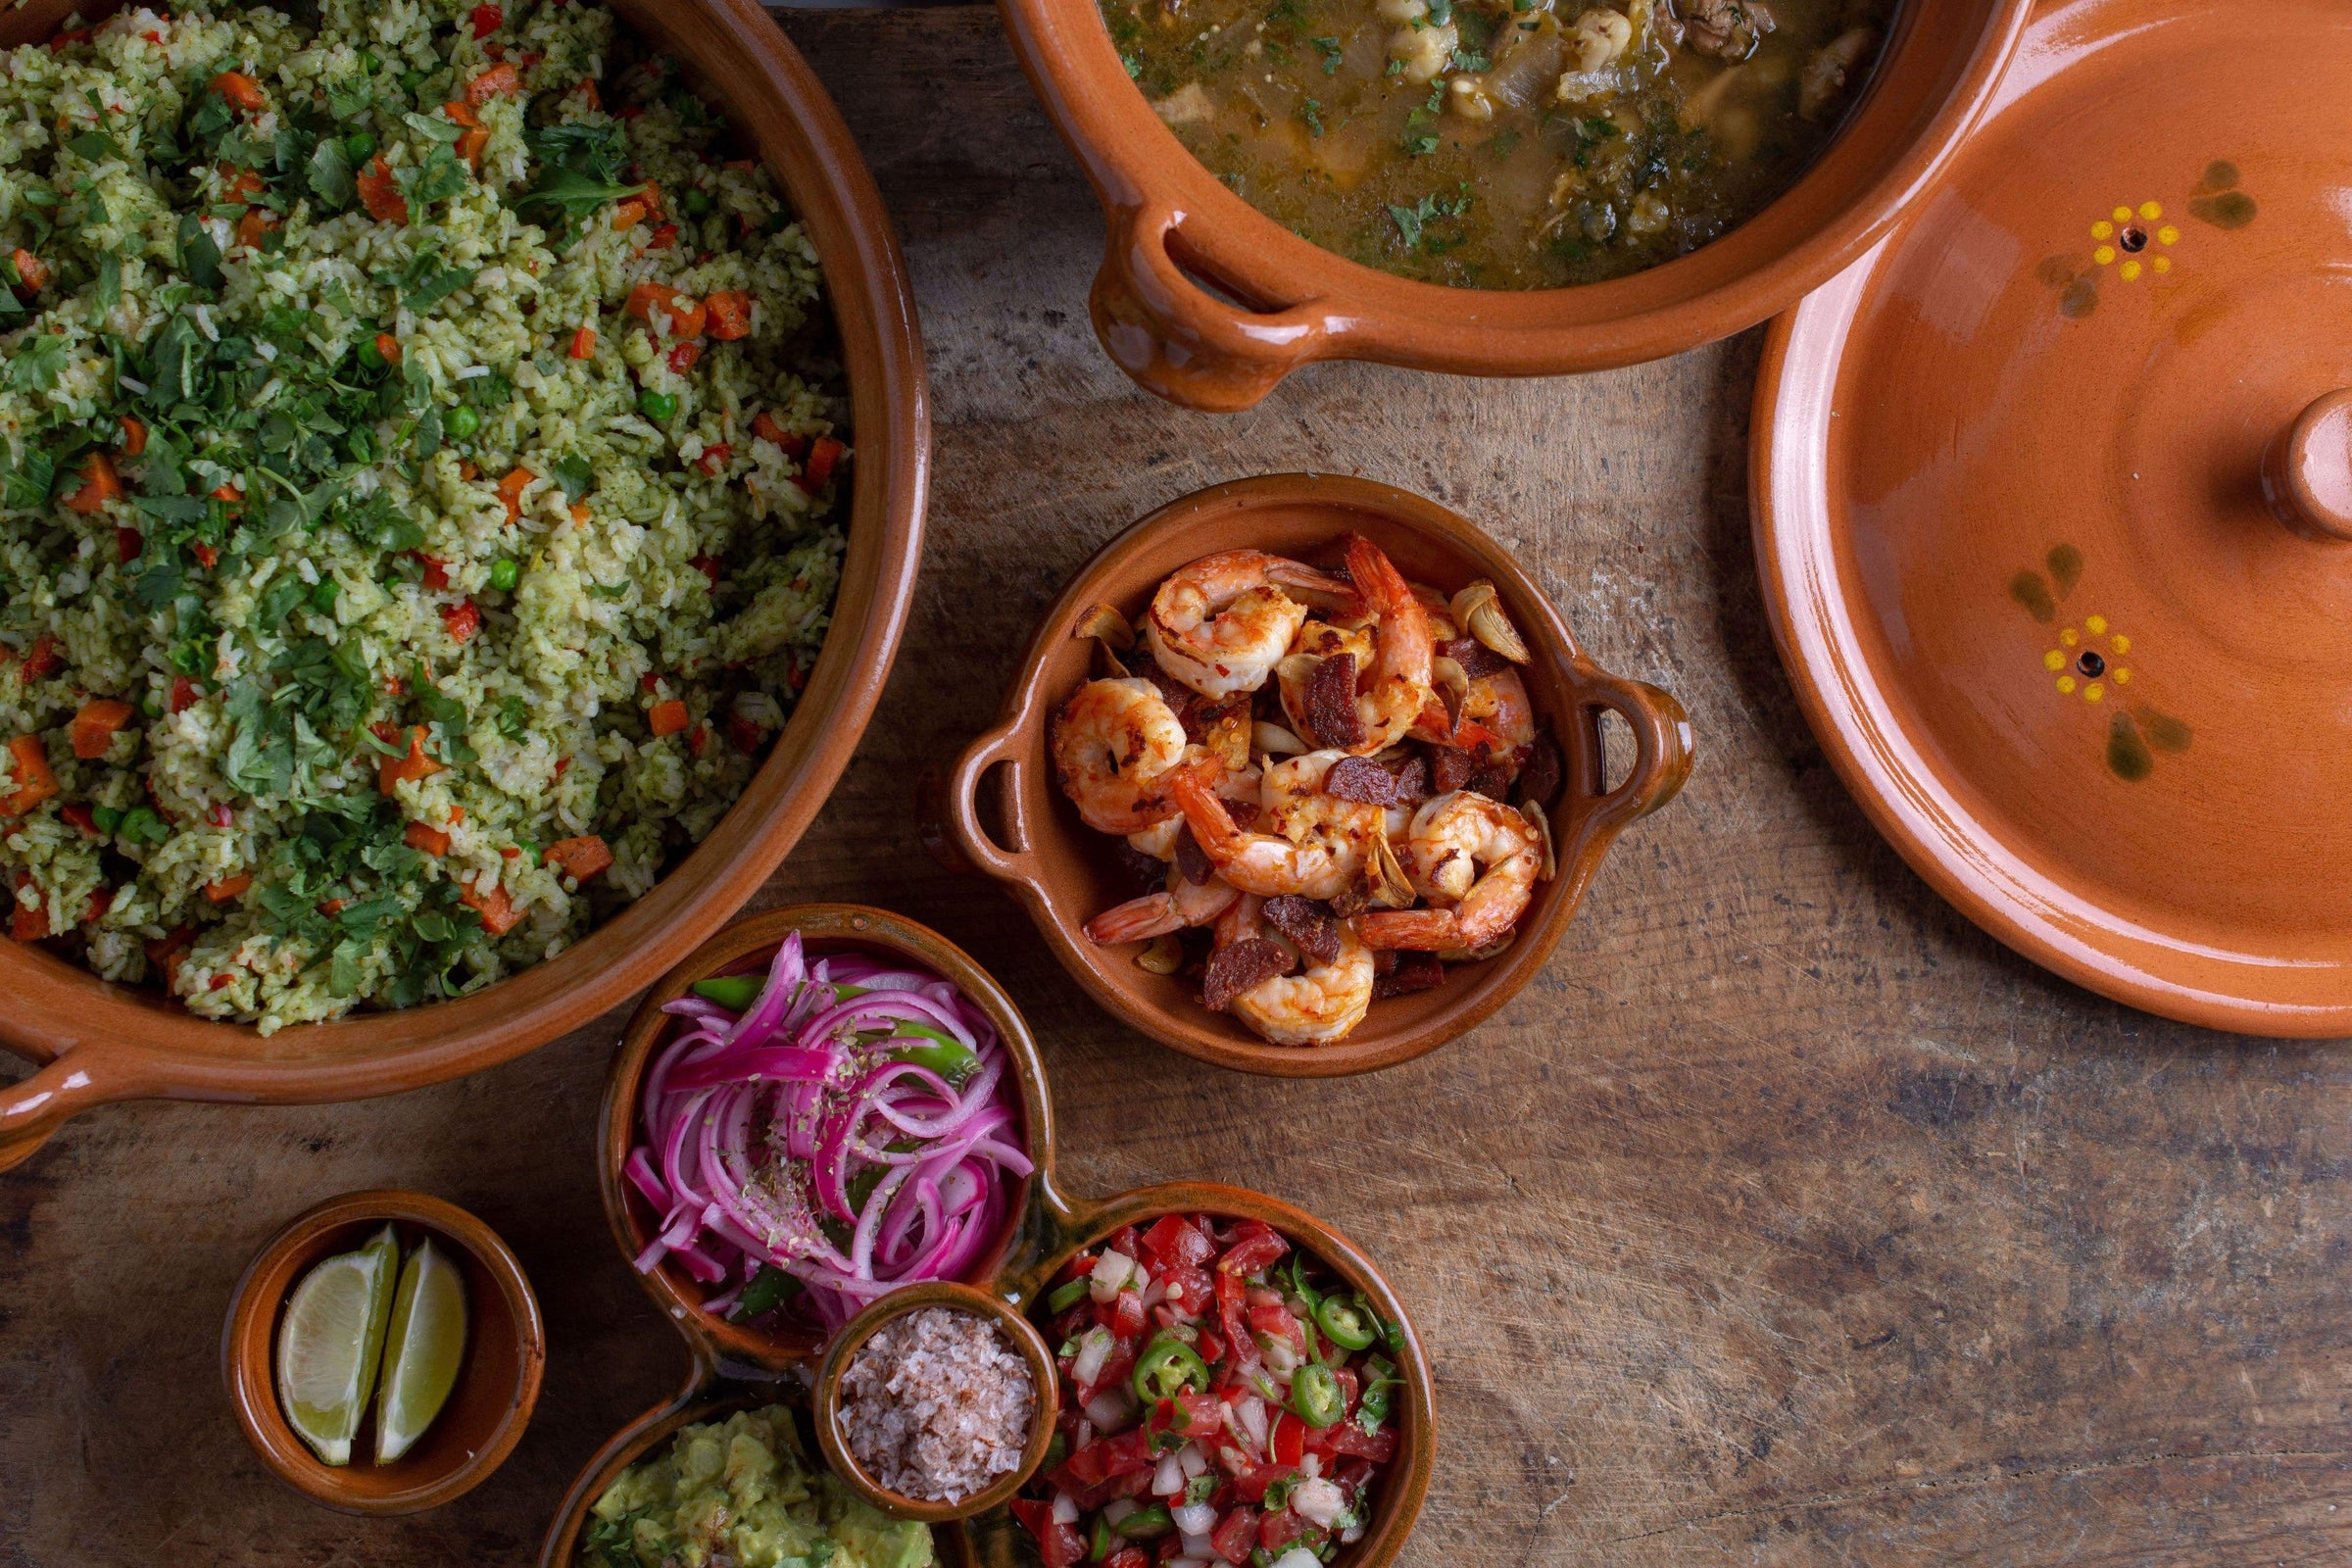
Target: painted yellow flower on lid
point(2088, 661)
point(2132, 240)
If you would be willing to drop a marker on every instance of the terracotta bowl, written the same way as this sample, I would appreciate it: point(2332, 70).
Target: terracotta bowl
point(1062, 870)
point(1018, 1330)
point(723, 1357)
point(102, 1041)
point(1208, 302)
point(497, 1386)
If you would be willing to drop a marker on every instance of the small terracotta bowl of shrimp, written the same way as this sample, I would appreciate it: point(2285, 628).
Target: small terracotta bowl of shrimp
point(1303, 776)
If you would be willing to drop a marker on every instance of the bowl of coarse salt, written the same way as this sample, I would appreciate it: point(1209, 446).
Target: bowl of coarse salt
point(936, 1402)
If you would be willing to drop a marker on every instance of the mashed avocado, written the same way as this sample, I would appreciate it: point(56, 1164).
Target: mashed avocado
point(742, 1492)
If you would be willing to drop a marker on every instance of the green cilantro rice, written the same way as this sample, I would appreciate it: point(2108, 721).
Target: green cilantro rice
point(417, 464)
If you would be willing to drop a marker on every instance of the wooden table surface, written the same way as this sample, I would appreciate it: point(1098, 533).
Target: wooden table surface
point(1786, 1220)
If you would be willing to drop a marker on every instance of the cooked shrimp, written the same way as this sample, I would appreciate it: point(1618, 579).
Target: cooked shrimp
point(1179, 905)
point(1391, 696)
point(1316, 1006)
point(1496, 713)
point(1334, 835)
point(1220, 624)
point(1476, 853)
point(1158, 841)
point(1117, 746)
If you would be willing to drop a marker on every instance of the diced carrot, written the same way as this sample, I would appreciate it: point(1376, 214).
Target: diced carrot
point(33, 782)
point(825, 456)
point(431, 840)
point(42, 660)
point(579, 512)
point(715, 458)
point(134, 435)
point(583, 343)
point(99, 485)
point(387, 348)
point(80, 816)
point(587, 89)
point(578, 859)
point(468, 471)
point(511, 488)
point(185, 694)
point(95, 725)
point(766, 427)
point(380, 193)
point(460, 111)
point(628, 215)
point(69, 38)
point(33, 273)
point(253, 225)
point(499, 80)
point(470, 145)
point(240, 89)
point(29, 924)
point(730, 314)
point(240, 184)
point(495, 907)
point(665, 310)
point(390, 771)
point(667, 718)
point(226, 492)
point(461, 620)
point(227, 887)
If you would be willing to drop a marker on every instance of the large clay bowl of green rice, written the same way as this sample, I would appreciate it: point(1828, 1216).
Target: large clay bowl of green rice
point(461, 477)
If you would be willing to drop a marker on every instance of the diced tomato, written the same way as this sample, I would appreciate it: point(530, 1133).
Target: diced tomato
point(1287, 1440)
point(462, 619)
point(714, 460)
point(1279, 1529)
point(134, 435)
point(1126, 1238)
point(99, 485)
point(33, 273)
point(1059, 1544)
point(240, 89)
point(670, 718)
point(1271, 1323)
point(380, 193)
point(1115, 1368)
point(219, 814)
point(1197, 1417)
point(1105, 1457)
point(578, 859)
point(1190, 1291)
point(495, 907)
point(583, 343)
point(500, 81)
point(227, 887)
point(511, 488)
point(824, 454)
point(1233, 1320)
point(33, 782)
point(665, 310)
point(437, 570)
point(487, 19)
point(1236, 1533)
point(1211, 1347)
point(129, 542)
point(1175, 1240)
point(42, 660)
point(185, 694)
point(1249, 1483)
point(1122, 1314)
point(1255, 1245)
point(471, 144)
point(391, 770)
point(94, 726)
point(1130, 1557)
point(731, 312)
point(80, 816)
point(1349, 1438)
point(682, 358)
point(422, 836)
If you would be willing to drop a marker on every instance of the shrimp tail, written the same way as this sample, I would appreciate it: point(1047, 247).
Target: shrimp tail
point(1155, 915)
point(1377, 579)
point(1311, 585)
point(1211, 824)
point(1419, 930)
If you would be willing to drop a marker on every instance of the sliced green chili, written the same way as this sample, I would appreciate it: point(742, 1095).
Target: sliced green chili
point(733, 992)
point(1315, 1397)
point(1105, 1542)
point(1165, 1369)
point(949, 1057)
point(1146, 1524)
point(1343, 1325)
point(1067, 1294)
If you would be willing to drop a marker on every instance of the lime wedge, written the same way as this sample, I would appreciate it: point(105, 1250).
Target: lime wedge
point(424, 1350)
point(330, 1342)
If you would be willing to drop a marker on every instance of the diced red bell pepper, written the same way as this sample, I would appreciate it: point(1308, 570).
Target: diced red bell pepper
point(1236, 1533)
point(42, 660)
point(583, 343)
point(462, 619)
point(746, 736)
point(80, 816)
point(713, 461)
point(129, 544)
point(379, 192)
point(487, 19)
point(1174, 1239)
point(1255, 1245)
point(101, 900)
point(437, 570)
point(1059, 1544)
point(185, 694)
point(684, 357)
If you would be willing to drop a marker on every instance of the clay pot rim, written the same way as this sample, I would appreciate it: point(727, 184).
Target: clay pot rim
point(248, 1341)
point(127, 1044)
point(1314, 304)
point(1660, 728)
point(825, 1401)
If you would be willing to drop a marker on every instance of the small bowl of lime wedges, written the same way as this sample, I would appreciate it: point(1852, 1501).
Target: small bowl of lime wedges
point(383, 1352)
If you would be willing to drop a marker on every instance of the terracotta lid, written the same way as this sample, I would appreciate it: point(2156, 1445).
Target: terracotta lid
point(2053, 490)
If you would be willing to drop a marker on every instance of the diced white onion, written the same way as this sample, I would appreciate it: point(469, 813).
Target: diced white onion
point(1195, 1519)
point(1192, 1558)
point(1065, 1508)
point(1168, 1480)
point(1318, 1503)
point(1274, 740)
point(1113, 1407)
point(1253, 1413)
point(1193, 1461)
point(1154, 1294)
point(1094, 1350)
point(1297, 1557)
point(1118, 1508)
point(1111, 1270)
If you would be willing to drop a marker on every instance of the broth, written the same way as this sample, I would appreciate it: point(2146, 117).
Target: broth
point(1503, 144)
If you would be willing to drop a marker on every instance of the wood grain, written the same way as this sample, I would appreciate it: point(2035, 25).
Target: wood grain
point(1788, 1221)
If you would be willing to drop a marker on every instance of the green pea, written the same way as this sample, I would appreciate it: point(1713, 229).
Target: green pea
point(503, 574)
point(323, 595)
point(370, 61)
point(142, 824)
point(151, 705)
point(369, 359)
point(360, 145)
point(411, 80)
point(697, 204)
point(107, 818)
point(461, 423)
point(656, 405)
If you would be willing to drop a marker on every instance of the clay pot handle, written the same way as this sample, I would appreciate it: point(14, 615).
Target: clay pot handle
point(1661, 759)
point(1183, 342)
point(2307, 470)
point(961, 804)
point(560, 1549)
point(34, 1109)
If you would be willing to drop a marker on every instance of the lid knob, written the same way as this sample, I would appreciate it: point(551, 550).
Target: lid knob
point(2307, 473)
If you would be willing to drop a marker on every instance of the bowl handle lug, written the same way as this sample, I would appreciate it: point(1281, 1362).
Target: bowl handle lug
point(33, 1109)
point(1662, 759)
point(1178, 339)
point(960, 801)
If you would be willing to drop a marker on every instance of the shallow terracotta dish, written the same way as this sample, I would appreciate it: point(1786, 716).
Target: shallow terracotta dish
point(1280, 301)
point(102, 1041)
point(1063, 872)
point(497, 1386)
point(1017, 1330)
point(2049, 495)
point(723, 1357)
